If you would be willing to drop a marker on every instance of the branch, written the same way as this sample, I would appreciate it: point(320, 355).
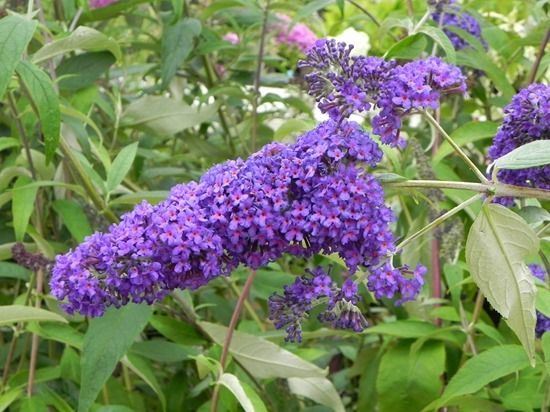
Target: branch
point(540, 55)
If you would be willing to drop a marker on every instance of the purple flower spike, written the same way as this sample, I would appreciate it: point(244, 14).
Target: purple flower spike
point(343, 84)
point(526, 119)
point(302, 199)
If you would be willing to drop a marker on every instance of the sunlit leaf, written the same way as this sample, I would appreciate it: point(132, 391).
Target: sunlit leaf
point(319, 390)
point(247, 397)
point(18, 313)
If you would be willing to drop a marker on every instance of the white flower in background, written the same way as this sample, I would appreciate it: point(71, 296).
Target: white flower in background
point(359, 39)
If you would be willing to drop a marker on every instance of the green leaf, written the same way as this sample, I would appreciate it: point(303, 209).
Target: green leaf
point(8, 397)
point(477, 60)
point(164, 116)
point(403, 328)
point(177, 43)
point(261, 358)
point(483, 369)
point(58, 332)
point(542, 302)
point(15, 34)
point(8, 143)
point(545, 343)
point(45, 103)
point(121, 166)
point(408, 383)
point(153, 196)
point(532, 154)
point(320, 390)
point(311, 8)
point(83, 38)
point(161, 350)
point(79, 72)
point(74, 218)
point(176, 330)
point(33, 404)
point(106, 341)
point(291, 126)
point(10, 270)
point(19, 313)
point(440, 38)
point(142, 368)
point(247, 397)
point(467, 133)
point(408, 48)
point(22, 206)
point(497, 244)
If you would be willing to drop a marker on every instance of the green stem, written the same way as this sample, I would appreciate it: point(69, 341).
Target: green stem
point(540, 55)
point(248, 307)
point(257, 78)
point(229, 336)
point(438, 221)
point(87, 183)
point(457, 148)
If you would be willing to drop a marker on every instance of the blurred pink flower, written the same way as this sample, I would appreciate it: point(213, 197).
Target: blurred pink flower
point(97, 4)
point(232, 38)
point(298, 35)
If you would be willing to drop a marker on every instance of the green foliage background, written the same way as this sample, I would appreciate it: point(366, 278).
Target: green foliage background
point(103, 108)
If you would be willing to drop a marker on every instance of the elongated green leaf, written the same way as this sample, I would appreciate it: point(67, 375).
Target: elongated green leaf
point(319, 390)
point(467, 133)
point(176, 330)
point(177, 43)
point(33, 404)
point(22, 206)
point(545, 343)
point(497, 244)
point(83, 38)
point(408, 48)
point(161, 350)
point(164, 116)
point(482, 369)
point(311, 8)
point(8, 143)
point(442, 40)
point(7, 398)
point(74, 218)
point(153, 196)
point(408, 382)
point(106, 341)
point(121, 166)
point(532, 154)
point(19, 313)
point(403, 328)
point(15, 34)
point(45, 103)
point(142, 368)
point(12, 271)
point(83, 70)
point(261, 358)
point(247, 397)
point(58, 332)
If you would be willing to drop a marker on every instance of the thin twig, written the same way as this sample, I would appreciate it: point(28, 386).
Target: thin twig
point(456, 147)
point(35, 337)
point(371, 17)
point(22, 134)
point(432, 225)
point(410, 9)
point(229, 336)
point(435, 253)
point(257, 78)
point(540, 55)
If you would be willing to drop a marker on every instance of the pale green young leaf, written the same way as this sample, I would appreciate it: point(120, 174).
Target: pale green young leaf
point(247, 397)
point(18, 313)
point(408, 48)
point(164, 116)
point(153, 197)
point(8, 143)
point(403, 328)
point(45, 103)
point(8, 397)
point(498, 242)
point(22, 206)
point(261, 358)
point(15, 34)
point(536, 153)
point(121, 166)
point(319, 390)
point(106, 341)
point(83, 38)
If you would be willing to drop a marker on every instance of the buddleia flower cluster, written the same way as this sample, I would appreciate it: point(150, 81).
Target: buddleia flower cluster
point(543, 322)
point(309, 197)
point(449, 14)
point(295, 35)
point(526, 119)
point(343, 84)
point(316, 287)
